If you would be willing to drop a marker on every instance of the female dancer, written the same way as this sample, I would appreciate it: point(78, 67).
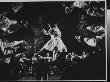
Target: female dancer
point(55, 44)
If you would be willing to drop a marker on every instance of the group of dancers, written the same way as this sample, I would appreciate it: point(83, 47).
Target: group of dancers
point(49, 52)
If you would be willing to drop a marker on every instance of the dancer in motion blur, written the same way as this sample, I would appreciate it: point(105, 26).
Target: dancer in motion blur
point(54, 45)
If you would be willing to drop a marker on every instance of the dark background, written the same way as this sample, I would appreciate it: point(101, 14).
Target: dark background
point(53, 12)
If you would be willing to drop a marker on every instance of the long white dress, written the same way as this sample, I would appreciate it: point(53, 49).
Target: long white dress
point(55, 41)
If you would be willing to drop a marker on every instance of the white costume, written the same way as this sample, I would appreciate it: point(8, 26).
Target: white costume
point(55, 40)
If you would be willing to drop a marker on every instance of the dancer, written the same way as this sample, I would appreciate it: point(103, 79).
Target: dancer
point(54, 45)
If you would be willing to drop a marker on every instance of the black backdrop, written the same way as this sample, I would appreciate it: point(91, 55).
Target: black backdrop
point(53, 12)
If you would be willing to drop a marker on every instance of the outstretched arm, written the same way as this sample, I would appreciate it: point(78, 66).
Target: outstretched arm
point(45, 32)
point(49, 28)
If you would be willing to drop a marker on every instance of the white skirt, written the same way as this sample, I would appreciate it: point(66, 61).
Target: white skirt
point(55, 42)
point(91, 42)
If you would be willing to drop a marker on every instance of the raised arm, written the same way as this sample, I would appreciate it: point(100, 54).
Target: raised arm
point(49, 28)
point(45, 32)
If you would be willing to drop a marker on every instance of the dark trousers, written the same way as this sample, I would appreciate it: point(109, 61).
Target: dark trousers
point(42, 69)
point(42, 66)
